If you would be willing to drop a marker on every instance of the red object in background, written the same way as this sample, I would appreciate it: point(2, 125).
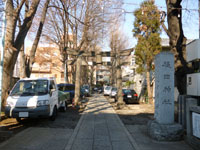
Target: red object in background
point(73, 103)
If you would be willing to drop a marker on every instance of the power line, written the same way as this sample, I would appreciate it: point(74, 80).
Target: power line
point(161, 7)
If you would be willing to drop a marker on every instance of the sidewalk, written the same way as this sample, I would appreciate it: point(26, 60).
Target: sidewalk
point(100, 129)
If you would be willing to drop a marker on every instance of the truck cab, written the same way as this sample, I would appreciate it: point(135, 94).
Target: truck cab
point(33, 98)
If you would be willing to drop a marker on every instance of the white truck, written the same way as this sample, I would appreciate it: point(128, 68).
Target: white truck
point(33, 98)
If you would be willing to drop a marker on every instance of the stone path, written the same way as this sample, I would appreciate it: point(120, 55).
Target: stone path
point(100, 129)
point(36, 138)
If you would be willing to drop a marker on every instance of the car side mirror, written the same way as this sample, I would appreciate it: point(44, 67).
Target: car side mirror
point(51, 91)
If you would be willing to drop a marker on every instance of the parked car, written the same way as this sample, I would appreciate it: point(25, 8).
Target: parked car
point(95, 89)
point(64, 87)
point(107, 90)
point(33, 98)
point(86, 90)
point(100, 89)
point(63, 100)
point(130, 96)
point(113, 92)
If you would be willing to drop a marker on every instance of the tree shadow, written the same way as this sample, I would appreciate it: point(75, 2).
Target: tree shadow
point(136, 119)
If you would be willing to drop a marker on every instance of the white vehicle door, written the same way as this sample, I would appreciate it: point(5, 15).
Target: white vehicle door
point(53, 95)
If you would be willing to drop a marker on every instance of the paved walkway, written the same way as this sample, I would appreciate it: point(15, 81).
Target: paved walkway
point(100, 129)
point(36, 138)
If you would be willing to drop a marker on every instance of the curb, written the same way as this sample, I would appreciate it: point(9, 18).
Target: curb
point(131, 139)
point(73, 137)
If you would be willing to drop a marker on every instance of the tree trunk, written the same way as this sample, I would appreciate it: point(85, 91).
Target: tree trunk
point(12, 47)
point(112, 75)
point(37, 39)
point(91, 78)
point(149, 89)
point(77, 83)
point(66, 72)
point(177, 43)
point(120, 101)
point(22, 63)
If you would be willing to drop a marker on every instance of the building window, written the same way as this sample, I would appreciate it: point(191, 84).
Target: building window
point(54, 65)
point(62, 75)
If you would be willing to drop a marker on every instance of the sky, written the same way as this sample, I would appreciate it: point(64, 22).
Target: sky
point(190, 18)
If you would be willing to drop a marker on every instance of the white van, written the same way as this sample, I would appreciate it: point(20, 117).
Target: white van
point(107, 90)
point(33, 98)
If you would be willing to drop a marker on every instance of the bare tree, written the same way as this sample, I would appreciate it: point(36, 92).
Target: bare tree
point(14, 38)
point(30, 59)
point(118, 42)
point(77, 25)
point(177, 42)
point(1, 15)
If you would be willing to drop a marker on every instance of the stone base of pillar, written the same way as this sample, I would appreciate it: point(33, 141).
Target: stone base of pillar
point(165, 132)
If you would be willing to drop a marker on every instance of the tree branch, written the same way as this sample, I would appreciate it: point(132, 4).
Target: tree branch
point(26, 24)
point(163, 15)
point(18, 9)
point(69, 14)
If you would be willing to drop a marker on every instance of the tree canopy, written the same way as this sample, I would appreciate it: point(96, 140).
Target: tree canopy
point(147, 31)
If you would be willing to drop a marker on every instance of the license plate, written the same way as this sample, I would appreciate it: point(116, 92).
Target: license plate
point(129, 96)
point(23, 114)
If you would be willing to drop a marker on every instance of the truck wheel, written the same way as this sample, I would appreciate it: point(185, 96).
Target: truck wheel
point(19, 120)
point(64, 108)
point(54, 114)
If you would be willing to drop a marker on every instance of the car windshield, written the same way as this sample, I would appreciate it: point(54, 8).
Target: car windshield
point(85, 86)
point(128, 91)
point(108, 88)
point(114, 89)
point(30, 87)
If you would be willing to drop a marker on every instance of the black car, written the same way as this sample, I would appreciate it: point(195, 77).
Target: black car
point(100, 89)
point(130, 96)
point(85, 91)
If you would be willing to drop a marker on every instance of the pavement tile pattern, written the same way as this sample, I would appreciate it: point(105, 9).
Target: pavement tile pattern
point(38, 139)
point(100, 129)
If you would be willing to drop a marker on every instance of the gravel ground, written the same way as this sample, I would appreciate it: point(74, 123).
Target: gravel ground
point(134, 114)
point(64, 120)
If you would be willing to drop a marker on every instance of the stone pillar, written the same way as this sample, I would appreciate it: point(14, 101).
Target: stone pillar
point(164, 88)
point(163, 127)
